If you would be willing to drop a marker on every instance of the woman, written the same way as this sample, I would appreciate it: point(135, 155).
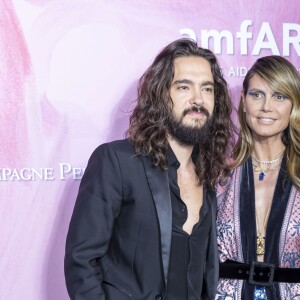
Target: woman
point(258, 219)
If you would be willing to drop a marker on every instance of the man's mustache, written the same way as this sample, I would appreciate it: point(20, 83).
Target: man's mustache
point(196, 109)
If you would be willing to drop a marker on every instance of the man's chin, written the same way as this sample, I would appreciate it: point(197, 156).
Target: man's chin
point(196, 117)
point(194, 124)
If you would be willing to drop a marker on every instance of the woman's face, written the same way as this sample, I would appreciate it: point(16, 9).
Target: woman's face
point(267, 112)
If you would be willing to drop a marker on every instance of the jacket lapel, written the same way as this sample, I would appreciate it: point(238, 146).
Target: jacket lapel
point(159, 186)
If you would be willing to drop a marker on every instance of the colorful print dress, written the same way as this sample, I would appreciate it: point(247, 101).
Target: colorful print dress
point(236, 232)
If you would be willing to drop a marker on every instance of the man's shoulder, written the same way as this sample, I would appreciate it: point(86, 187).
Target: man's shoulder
point(117, 146)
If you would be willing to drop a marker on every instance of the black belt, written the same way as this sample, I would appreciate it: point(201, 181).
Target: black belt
point(259, 273)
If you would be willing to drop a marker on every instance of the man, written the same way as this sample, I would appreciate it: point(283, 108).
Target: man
point(143, 226)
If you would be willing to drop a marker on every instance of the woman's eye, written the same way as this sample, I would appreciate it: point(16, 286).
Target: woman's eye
point(256, 95)
point(280, 97)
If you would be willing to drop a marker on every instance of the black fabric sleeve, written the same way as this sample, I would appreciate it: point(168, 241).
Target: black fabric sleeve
point(97, 206)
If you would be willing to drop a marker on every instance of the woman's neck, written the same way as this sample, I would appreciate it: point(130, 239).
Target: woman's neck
point(267, 150)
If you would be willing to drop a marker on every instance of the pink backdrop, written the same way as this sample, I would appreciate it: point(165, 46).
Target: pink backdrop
point(68, 74)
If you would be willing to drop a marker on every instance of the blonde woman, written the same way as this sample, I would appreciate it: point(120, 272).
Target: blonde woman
point(258, 221)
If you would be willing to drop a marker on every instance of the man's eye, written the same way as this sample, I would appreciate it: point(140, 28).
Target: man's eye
point(182, 87)
point(208, 90)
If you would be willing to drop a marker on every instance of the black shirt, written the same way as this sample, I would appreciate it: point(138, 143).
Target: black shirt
point(188, 252)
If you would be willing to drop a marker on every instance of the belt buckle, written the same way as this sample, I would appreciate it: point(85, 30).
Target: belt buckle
point(261, 274)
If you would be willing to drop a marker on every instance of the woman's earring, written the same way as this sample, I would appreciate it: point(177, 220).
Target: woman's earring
point(244, 109)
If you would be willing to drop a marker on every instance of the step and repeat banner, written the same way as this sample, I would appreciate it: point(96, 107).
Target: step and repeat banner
point(68, 76)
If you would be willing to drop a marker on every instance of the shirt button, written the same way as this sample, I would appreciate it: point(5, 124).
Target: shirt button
point(183, 208)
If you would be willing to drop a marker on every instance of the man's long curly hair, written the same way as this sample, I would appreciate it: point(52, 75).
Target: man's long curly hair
point(149, 120)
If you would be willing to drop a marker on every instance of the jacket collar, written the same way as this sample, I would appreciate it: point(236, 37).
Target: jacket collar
point(159, 185)
point(158, 181)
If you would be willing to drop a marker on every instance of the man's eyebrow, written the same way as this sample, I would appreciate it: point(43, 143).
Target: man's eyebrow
point(187, 81)
point(182, 81)
point(206, 83)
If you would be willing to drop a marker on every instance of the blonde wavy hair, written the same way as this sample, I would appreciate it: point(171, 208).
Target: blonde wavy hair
point(282, 77)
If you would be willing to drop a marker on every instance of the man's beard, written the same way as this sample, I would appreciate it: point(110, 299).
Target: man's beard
point(191, 134)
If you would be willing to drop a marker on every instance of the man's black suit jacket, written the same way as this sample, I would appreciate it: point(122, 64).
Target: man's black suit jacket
point(118, 244)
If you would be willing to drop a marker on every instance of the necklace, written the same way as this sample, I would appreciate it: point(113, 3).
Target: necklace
point(260, 240)
point(264, 171)
point(268, 162)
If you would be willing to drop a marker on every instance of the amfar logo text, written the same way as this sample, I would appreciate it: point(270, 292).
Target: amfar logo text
point(264, 40)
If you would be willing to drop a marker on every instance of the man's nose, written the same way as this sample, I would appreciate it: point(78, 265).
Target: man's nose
point(197, 98)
